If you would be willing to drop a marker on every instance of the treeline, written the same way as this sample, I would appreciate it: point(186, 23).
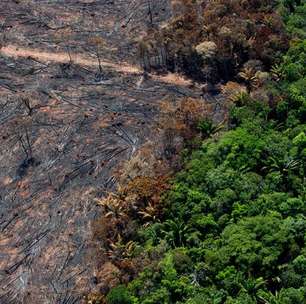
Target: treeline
point(232, 228)
point(212, 40)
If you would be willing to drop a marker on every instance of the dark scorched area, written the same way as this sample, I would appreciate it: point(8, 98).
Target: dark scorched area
point(64, 131)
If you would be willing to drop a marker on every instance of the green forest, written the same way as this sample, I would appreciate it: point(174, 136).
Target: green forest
point(233, 225)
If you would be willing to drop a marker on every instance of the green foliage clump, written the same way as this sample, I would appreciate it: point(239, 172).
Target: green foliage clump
point(119, 295)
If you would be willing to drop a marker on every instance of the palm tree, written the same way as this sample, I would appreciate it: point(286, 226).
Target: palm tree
point(270, 298)
point(277, 72)
point(148, 214)
point(252, 286)
point(249, 77)
point(175, 232)
point(283, 166)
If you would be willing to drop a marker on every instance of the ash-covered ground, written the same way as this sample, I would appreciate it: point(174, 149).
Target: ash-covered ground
point(65, 128)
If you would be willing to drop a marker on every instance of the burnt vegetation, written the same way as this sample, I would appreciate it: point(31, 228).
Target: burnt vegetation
point(73, 108)
point(211, 41)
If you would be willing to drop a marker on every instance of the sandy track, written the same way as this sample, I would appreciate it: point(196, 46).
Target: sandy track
point(60, 57)
point(15, 51)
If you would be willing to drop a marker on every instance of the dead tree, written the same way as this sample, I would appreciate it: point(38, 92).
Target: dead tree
point(98, 44)
point(150, 12)
point(144, 55)
point(27, 103)
point(29, 160)
point(3, 32)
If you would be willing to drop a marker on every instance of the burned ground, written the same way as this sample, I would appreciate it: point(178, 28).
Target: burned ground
point(65, 128)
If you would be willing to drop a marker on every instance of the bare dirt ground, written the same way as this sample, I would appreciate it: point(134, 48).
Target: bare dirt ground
point(85, 61)
point(65, 127)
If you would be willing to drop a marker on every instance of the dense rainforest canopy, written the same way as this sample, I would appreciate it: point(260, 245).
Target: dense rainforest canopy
point(233, 229)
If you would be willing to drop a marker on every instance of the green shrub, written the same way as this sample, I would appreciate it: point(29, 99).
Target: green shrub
point(119, 295)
